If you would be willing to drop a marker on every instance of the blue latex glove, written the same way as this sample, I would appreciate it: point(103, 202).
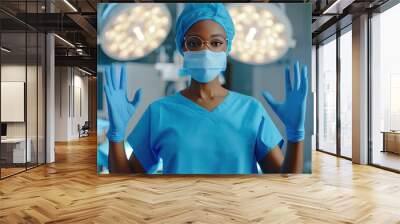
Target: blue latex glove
point(292, 111)
point(120, 109)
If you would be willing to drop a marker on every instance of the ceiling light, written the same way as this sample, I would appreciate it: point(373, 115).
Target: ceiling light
point(84, 71)
point(263, 32)
point(5, 50)
point(337, 7)
point(65, 41)
point(70, 5)
point(79, 51)
point(132, 30)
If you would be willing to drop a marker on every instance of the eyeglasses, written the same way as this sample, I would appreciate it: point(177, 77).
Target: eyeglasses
point(195, 43)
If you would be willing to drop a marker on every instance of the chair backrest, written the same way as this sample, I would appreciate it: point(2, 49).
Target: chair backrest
point(86, 125)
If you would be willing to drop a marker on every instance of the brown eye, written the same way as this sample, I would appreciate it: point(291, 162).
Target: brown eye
point(193, 43)
point(216, 43)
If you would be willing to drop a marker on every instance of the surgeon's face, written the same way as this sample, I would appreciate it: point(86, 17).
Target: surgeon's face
point(205, 31)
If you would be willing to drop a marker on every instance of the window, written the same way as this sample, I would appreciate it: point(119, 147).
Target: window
point(327, 97)
point(22, 74)
point(385, 89)
point(346, 94)
point(394, 117)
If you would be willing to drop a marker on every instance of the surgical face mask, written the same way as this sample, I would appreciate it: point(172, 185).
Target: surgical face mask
point(204, 66)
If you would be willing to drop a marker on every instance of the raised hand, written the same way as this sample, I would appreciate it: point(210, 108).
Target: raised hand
point(292, 110)
point(120, 109)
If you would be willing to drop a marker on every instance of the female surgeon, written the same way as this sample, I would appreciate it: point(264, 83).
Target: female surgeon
point(205, 128)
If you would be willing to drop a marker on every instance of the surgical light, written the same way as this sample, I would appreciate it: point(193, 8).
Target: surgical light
point(263, 32)
point(133, 30)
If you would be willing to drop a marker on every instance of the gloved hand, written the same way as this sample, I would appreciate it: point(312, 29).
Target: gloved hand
point(293, 110)
point(120, 109)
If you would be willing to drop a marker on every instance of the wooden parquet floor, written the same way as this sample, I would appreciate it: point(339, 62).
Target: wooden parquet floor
point(69, 191)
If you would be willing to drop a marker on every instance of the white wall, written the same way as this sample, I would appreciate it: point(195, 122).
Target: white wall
point(16, 73)
point(61, 103)
point(68, 81)
point(81, 83)
point(33, 127)
point(12, 73)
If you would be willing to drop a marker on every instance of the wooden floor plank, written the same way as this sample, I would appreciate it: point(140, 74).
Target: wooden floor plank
point(69, 191)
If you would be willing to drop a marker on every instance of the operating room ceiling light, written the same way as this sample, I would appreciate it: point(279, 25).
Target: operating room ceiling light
point(263, 32)
point(132, 31)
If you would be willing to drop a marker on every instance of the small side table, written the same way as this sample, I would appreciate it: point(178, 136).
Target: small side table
point(391, 141)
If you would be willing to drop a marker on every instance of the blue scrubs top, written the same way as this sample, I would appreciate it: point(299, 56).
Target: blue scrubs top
point(192, 140)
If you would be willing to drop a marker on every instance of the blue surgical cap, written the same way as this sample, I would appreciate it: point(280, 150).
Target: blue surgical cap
point(194, 12)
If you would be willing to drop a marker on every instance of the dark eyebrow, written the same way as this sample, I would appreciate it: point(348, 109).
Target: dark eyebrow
point(218, 35)
point(213, 35)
